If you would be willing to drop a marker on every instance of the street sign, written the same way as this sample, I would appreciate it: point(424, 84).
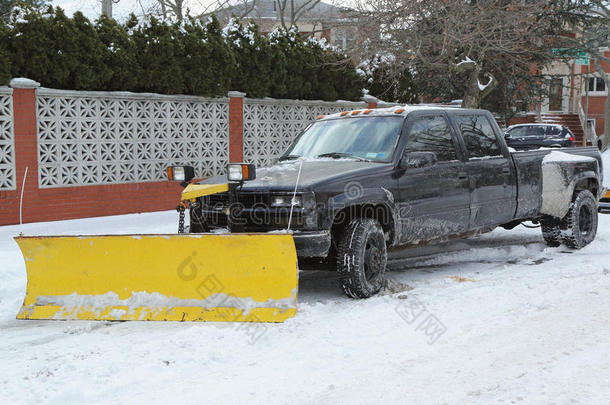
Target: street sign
point(580, 57)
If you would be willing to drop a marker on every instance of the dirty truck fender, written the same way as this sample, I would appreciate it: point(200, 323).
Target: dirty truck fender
point(379, 202)
point(559, 180)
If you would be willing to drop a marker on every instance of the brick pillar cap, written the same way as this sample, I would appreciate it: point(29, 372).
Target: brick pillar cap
point(23, 83)
point(370, 99)
point(236, 94)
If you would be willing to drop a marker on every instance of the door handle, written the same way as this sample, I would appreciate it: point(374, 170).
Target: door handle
point(506, 171)
point(462, 176)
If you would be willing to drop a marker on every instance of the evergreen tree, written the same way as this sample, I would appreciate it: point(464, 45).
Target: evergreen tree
point(157, 45)
point(29, 44)
point(388, 80)
point(207, 63)
point(252, 57)
point(298, 66)
point(187, 57)
point(221, 60)
point(5, 62)
point(120, 56)
point(7, 5)
point(86, 55)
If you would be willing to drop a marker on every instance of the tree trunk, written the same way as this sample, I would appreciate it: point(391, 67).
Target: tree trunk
point(471, 94)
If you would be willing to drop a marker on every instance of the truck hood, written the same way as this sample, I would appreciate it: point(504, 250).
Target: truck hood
point(283, 175)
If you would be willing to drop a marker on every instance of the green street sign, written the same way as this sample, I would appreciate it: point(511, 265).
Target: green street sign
point(580, 57)
point(582, 60)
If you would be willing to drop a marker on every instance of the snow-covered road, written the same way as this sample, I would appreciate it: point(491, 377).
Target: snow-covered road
point(499, 318)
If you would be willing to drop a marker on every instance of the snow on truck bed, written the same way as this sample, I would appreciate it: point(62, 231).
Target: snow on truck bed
point(497, 318)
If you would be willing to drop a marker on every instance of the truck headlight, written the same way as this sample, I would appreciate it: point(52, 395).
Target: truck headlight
point(183, 174)
point(286, 201)
point(241, 172)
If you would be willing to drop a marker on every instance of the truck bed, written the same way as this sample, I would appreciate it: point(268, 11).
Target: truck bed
point(528, 165)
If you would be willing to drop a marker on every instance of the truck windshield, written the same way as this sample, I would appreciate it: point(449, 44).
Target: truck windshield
point(366, 138)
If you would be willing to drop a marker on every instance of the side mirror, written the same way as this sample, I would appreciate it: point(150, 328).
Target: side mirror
point(506, 135)
point(418, 160)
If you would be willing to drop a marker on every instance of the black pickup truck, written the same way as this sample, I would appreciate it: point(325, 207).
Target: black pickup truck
point(356, 184)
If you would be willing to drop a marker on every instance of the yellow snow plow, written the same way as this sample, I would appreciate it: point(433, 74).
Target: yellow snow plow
point(235, 277)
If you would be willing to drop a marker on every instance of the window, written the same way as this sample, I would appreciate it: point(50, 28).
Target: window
point(479, 136)
point(431, 134)
point(535, 131)
point(597, 84)
point(371, 138)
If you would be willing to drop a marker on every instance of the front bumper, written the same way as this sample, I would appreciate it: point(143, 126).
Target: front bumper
point(312, 244)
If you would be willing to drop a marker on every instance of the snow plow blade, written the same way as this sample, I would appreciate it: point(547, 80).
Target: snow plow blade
point(178, 277)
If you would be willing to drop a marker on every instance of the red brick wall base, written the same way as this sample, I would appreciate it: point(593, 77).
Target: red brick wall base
point(55, 204)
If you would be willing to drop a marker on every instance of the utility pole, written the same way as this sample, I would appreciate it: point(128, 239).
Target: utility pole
point(107, 8)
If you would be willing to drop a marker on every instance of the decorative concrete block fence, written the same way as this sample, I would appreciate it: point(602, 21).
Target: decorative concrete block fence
point(74, 154)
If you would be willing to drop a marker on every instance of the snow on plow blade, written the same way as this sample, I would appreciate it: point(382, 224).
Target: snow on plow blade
point(207, 277)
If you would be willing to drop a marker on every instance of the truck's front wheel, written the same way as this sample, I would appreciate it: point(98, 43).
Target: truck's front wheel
point(361, 258)
point(579, 226)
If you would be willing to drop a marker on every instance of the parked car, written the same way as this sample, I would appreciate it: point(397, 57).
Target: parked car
point(356, 184)
point(534, 136)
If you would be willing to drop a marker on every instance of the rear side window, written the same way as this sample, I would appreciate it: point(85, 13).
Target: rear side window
point(479, 136)
point(431, 133)
point(552, 130)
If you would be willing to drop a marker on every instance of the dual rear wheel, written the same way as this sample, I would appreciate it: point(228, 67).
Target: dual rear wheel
point(578, 228)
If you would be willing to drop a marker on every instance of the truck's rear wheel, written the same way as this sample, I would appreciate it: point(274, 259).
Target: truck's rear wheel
point(362, 258)
point(551, 232)
point(579, 226)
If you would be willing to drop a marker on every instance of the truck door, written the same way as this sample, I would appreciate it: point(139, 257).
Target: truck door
point(491, 172)
point(435, 200)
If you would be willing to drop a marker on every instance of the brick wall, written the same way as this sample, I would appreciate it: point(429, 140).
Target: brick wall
point(522, 119)
point(58, 202)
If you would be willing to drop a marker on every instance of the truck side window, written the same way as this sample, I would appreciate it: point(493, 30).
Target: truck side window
point(431, 134)
point(479, 135)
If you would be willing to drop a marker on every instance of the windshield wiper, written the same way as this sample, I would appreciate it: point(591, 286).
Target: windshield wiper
point(289, 157)
point(338, 155)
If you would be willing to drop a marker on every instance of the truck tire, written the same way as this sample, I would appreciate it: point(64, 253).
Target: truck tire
point(579, 226)
point(551, 231)
point(362, 258)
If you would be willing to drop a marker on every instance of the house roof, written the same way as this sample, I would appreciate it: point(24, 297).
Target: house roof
point(270, 9)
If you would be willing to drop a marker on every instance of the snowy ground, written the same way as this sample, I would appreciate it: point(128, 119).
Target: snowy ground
point(494, 319)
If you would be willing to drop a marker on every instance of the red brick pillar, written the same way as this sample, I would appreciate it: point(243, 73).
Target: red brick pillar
point(236, 126)
point(371, 102)
point(26, 146)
